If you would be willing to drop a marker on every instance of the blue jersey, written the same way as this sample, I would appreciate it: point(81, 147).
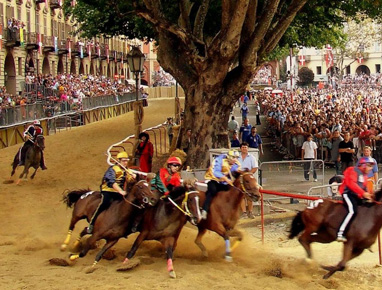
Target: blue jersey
point(254, 141)
point(245, 131)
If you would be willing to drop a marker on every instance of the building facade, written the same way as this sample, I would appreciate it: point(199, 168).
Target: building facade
point(36, 38)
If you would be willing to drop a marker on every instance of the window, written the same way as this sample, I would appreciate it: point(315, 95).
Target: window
point(37, 30)
point(378, 68)
point(348, 70)
point(2, 14)
point(45, 27)
point(318, 70)
point(28, 21)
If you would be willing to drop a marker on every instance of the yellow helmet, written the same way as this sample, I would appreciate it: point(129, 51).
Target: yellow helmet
point(232, 154)
point(122, 154)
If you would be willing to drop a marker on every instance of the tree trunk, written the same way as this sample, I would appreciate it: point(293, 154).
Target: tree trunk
point(208, 112)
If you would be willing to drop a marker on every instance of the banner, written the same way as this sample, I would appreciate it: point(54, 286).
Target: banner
point(81, 44)
point(39, 41)
point(56, 44)
point(21, 37)
point(329, 56)
point(301, 60)
point(107, 54)
point(90, 51)
point(1, 36)
point(69, 45)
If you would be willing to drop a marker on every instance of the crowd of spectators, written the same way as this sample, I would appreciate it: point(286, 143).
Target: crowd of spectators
point(326, 114)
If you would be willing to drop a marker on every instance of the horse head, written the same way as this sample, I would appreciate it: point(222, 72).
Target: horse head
point(40, 142)
point(143, 194)
point(191, 206)
point(247, 183)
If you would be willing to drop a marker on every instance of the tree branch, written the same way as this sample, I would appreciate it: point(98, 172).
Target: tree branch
point(274, 35)
point(201, 18)
point(250, 20)
point(184, 19)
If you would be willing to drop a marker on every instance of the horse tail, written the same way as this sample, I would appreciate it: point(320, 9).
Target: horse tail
point(297, 226)
point(71, 197)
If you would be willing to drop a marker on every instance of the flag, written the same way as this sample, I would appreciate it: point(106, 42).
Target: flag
point(21, 36)
point(90, 51)
point(1, 36)
point(39, 41)
point(69, 45)
point(81, 44)
point(99, 50)
point(115, 56)
point(360, 58)
point(56, 44)
point(329, 56)
point(107, 53)
point(301, 60)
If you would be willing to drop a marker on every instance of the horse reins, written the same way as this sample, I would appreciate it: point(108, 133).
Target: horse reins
point(242, 184)
point(128, 201)
point(184, 203)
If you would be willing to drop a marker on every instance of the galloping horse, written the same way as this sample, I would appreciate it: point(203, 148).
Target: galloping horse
point(32, 158)
point(116, 221)
point(225, 211)
point(85, 203)
point(321, 222)
point(165, 221)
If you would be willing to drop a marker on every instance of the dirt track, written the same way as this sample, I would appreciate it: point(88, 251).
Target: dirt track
point(34, 221)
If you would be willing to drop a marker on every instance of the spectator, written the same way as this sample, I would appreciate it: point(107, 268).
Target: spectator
point(247, 163)
point(245, 130)
point(244, 110)
point(254, 140)
point(145, 152)
point(233, 126)
point(235, 142)
point(373, 174)
point(187, 141)
point(346, 150)
point(336, 139)
point(309, 152)
point(170, 133)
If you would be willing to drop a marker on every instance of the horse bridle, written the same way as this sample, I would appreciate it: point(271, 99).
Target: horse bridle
point(186, 211)
point(145, 199)
point(243, 189)
point(35, 142)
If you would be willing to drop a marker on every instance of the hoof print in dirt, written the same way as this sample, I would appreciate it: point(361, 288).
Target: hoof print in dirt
point(128, 265)
point(59, 262)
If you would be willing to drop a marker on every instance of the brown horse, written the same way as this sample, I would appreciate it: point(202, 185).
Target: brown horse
point(32, 158)
point(165, 221)
point(225, 211)
point(320, 223)
point(84, 203)
point(116, 221)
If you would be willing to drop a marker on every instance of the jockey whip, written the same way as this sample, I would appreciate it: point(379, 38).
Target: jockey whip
point(119, 163)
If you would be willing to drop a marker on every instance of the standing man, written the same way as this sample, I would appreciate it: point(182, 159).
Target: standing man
point(335, 156)
point(254, 140)
point(170, 132)
point(247, 162)
point(346, 150)
point(233, 126)
point(244, 110)
point(245, 130)
point(257, 113)
point(309, 152)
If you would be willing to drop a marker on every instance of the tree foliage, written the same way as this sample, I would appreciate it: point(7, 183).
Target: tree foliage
point(305, 76)
point(213, 47)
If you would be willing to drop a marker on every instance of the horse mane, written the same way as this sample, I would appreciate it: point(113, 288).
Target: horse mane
point(70, 197)
point(177, 192)
point(378, 195)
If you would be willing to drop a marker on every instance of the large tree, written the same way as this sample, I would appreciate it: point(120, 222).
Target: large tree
point(213, 47)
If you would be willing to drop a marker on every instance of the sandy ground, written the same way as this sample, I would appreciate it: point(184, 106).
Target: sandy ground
point(34, 221)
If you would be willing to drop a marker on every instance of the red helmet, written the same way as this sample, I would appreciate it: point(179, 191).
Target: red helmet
point(174, 160)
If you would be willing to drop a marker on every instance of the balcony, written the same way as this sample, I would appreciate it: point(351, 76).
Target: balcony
point(48, 43)
point(94, 51)
point(12, 37)
point(111, 54)
point(63, 47)
point(31, 42)
point(77, 50)
point(39, 1)
point(54, 4)
point(103, 51)
point(125, 57)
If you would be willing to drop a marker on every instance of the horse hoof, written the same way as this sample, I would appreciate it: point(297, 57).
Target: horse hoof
point(73, 257)
point(205, 254)
point(58, 262)
point(308, 260)
point(172, 274)
point(228, 258)
point(63, 247)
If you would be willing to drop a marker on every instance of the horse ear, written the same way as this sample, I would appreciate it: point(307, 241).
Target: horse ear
point(236, 174)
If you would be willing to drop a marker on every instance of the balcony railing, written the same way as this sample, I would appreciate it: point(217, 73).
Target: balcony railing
point(54, 4)
point(31, 40)
point(48, 42)
point(12, 35)
point(63, 46)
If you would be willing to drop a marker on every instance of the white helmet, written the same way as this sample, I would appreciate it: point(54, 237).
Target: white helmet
point(36, 122)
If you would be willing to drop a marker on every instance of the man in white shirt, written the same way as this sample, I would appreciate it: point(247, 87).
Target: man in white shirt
point(309, 152)
point(233, 126)
point(247, 162)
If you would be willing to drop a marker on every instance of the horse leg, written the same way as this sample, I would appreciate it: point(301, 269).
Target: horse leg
point(106, 247)
point(127, 264)
point(198, 241)
point(349, 254)
point(90, 242)
point(73, 222)
point(235, 233)
point(34, 173)
point(168, 244)
point(305, 240)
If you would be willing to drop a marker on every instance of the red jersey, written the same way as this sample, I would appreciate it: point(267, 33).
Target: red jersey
point(355, 181)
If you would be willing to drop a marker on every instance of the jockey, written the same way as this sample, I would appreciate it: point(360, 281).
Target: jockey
point(353, 189)
point(167, 178)
point(112, 185)
point(30, 135)
point(220, 177)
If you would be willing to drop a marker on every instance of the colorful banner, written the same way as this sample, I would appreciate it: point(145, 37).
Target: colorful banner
point(329, 56)
point(69, 46)
point(22, 37)
point(81, 44)
point(56, 44)
point(301, 60)
point(90, 51)
point(107, 54)
point(39, 41)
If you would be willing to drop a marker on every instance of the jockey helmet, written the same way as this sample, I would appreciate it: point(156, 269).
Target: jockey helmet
point(174, 160)
point(366, 160)
point(232, 154)
point(36, 122)
point(122, 154)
